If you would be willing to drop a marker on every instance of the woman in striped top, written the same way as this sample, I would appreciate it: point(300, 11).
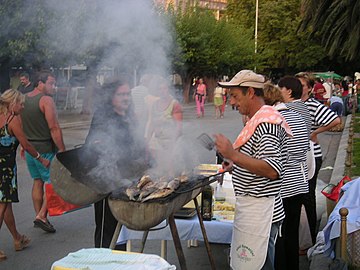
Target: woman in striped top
point(322, 119)
point(295, 181)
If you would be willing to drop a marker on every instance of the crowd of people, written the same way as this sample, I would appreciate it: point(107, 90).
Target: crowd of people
point(269, 160)
point(269, 163)
point(29, 117)
point(37, 130)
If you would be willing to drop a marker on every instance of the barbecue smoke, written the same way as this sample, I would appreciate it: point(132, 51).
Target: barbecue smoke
point(131, 39)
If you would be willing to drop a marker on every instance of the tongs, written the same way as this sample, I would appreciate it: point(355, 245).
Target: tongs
point(206, 180)
point(205, 140)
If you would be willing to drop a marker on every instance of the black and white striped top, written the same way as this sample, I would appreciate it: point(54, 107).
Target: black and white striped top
point(320, 116)
point(269, 143)
point(300, 107)
point(295, 169)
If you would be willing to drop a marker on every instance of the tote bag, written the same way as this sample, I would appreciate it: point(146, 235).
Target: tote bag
point(56, 205)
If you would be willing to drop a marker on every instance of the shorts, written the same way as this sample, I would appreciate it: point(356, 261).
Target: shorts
point(218, 101)
point(36, 169)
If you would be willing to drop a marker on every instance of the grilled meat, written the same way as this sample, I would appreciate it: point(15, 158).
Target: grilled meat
point(132, 192)
point(147, 191)
point(161, 184)
point(174, 184)
point(143, 181)
point(183, 178)
point(161, 193)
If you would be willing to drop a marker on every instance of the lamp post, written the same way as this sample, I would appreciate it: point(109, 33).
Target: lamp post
point(256, 24)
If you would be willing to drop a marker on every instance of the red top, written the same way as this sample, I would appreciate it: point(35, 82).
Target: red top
point(319, 91)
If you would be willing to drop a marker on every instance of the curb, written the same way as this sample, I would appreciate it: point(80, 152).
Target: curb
point(339, 166)
point(74, 124)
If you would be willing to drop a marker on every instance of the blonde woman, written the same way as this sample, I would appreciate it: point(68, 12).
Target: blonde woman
point(218, 101)
point(11, 134)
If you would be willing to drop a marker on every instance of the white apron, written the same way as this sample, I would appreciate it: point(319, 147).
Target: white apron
point(252, 225)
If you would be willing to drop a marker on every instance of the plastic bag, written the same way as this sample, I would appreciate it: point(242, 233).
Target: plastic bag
point(332, 192)
point(55, 204)
point(310, 160)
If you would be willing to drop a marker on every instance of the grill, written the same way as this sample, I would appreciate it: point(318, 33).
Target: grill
point(68, 187)
point(70, 181)
point(143, 216)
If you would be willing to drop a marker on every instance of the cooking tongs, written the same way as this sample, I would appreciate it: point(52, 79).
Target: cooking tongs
point(204, 181)
point(206, 141)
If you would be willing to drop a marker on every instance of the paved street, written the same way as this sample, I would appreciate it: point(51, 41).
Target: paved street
point(75, 230)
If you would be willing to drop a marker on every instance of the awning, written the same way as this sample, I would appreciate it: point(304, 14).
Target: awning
point(327, 75)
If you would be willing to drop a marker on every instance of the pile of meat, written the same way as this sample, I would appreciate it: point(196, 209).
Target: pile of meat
point(147, 188)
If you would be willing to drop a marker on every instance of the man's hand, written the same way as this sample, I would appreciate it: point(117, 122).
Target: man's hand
point(224, 146)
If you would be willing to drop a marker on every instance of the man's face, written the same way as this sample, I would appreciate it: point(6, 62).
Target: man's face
point(306, 89)
point(24, 81)
point(240, 100)
point(48, 87)
point(122, 98)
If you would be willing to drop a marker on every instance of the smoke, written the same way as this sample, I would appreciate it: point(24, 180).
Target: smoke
point(133, 38)
point(125, 34)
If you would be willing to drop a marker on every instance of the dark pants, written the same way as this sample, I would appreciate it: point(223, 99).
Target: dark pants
point(309, 201)
point(105, 224)
point(287, 246)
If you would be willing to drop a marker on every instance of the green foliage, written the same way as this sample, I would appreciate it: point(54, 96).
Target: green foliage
point(355, 169)
point(19, 32)
point(279, 43)
point(338, 24)
point(208, 47)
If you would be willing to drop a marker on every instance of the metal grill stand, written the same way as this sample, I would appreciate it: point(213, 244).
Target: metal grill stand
point(176, 238)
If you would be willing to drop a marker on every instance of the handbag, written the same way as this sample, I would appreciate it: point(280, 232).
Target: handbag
point(56, 205)
point(332, 192)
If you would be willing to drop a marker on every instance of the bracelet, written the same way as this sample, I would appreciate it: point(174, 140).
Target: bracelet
point(37, 156)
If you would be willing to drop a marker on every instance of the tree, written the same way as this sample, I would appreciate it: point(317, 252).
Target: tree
point(207, 47)
point(279, 43)
point(338, 24)
point(21, 26)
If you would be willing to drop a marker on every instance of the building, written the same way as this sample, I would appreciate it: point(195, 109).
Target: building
point(218, 6)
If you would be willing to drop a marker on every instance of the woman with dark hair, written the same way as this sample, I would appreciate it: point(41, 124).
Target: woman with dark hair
point(112, 152)
point(322, 119)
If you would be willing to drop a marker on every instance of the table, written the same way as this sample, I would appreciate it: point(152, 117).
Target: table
point(189, 229)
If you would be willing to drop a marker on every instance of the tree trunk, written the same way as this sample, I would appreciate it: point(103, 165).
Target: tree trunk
point(211, 83)
point(187, 81)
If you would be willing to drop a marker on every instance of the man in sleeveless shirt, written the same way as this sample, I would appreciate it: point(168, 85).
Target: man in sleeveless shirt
point(42, 129)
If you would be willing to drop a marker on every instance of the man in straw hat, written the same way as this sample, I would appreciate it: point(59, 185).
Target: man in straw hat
point(256, 158)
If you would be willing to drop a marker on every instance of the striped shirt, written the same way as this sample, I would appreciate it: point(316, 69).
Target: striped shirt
point(320, 116)
point(300, 107)
point(268, 143)
point(295, 169)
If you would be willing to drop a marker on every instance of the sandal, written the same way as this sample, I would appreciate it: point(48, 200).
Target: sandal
point(2, 256)
point(22, 243)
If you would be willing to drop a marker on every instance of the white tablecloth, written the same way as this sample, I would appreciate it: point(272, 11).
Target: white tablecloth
point(107, 259)
point(189, 229)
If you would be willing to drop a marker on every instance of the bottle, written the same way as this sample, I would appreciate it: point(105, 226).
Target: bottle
point(207, 203)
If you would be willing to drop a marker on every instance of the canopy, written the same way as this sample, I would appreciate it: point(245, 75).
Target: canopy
point(326, 75)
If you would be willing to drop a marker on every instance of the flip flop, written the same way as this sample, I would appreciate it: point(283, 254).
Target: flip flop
point(46, 226)
point(22, 243)
point(2, 256)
